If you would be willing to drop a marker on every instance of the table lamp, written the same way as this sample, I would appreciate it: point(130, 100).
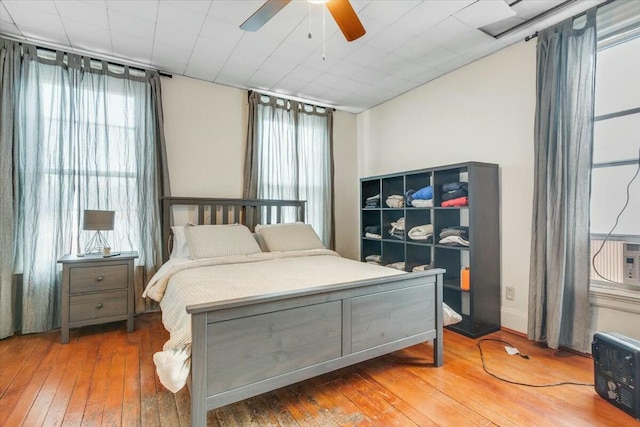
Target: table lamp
point(98, 221)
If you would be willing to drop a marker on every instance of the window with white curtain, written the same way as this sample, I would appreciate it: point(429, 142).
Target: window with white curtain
point(615, 198)
point(294, 159)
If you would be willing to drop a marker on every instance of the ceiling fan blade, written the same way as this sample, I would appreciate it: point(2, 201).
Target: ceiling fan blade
point(346, 18)
point(262, 15)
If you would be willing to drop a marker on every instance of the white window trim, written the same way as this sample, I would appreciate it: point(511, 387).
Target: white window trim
point(616, 298)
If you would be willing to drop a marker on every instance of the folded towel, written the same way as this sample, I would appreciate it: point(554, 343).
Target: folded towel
point(397, 265)
point(395, 201)
point(372, 229)
point(425, 193)
point(454, 241)
point(421, 232)
point(422, 267)
point(373, 258)
point(373, 198)
point(373, 235)
point(419, 203)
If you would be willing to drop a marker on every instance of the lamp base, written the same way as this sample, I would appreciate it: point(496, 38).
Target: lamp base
point(97, 244)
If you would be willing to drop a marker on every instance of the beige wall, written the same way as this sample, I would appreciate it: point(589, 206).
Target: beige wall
point(206, 128)
point(482, 112)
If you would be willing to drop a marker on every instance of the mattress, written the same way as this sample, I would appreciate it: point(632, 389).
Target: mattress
point(185, 282)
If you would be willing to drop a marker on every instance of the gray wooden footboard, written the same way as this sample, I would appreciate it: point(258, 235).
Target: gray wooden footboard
point(242, 348)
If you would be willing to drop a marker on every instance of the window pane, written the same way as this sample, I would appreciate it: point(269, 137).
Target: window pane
point(617, 78)
point(616, 139)
point(608, 195)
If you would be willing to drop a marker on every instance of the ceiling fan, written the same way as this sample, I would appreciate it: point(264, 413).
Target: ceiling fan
point(341, 10)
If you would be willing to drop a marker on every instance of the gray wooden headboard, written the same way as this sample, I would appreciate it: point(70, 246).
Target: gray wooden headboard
point(249, 212)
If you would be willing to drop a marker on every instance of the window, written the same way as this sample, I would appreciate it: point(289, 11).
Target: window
point(616, 150)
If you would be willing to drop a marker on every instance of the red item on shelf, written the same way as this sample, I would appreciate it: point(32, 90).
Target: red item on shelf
point(460, 201)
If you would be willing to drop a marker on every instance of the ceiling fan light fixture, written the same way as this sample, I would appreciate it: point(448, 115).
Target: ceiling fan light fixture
point(317, 1)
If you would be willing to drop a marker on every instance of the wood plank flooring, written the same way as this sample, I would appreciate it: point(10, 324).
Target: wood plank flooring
point(105, 376)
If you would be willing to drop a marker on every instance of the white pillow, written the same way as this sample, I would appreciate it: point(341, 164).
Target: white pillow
point(180, 248)
point(289, 237)
point(211, 241)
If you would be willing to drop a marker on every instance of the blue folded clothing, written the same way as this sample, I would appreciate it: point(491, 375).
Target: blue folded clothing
point(425, 193)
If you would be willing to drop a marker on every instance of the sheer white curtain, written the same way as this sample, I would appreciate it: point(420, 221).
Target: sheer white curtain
point(86, 137)
point(289, 156)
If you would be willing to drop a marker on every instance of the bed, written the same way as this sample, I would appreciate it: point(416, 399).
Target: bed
point(311, 324)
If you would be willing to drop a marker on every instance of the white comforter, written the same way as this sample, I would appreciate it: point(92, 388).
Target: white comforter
point(182, 283)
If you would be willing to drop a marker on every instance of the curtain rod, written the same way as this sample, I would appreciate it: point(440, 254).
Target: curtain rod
point(91, 57)
point(534, 35)
point(292, 98)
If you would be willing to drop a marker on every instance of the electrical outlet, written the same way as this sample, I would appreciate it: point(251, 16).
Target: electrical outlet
point(511, 293)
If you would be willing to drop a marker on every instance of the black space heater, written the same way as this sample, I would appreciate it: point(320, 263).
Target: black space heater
point(616, 365)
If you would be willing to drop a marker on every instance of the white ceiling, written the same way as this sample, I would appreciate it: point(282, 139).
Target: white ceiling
point(407, 44)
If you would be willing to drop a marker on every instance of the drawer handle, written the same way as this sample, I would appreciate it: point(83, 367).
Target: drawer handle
point(99, 305)
point(99, 278)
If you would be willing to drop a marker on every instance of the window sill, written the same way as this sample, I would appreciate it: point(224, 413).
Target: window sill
point(614, 298)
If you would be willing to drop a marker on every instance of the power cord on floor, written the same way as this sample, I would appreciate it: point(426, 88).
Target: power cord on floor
point(524, 356)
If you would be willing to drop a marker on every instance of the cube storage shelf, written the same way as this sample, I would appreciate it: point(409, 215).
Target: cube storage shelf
point(480, 305)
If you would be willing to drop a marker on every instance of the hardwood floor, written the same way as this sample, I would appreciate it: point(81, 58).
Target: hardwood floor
point(105, 376)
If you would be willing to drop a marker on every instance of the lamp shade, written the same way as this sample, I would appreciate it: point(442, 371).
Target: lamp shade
point(98, 220)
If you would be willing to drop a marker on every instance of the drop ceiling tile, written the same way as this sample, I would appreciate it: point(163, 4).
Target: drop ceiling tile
point(172, 16)
point(420, 19)
point(133, 25)
point(291, 53)
point(315, 61)
point(337, 46)
point(414, 72)
point(484, 12)
point(390, 39)
point(369, 76)
point(145, 9)
point(212, 49)
point(247, 58)
point(366, 55)
point(372, 26)
point(258, 42)
point(328, 80)
point(437, 57)
point(235, 76)
point(453, 63)
point(50, 35)
point(416, 48)
point(285, 21)
point(429, 76)
point(395, 84)
point(96, 14)
point(262, 80)
point(391, 63)
point(10, 29)
point(291, 86)
point(233, 11)
point(473, 41)
point(45, 6)
point(136, 49)
point(447, 30)
point(346, 69)
point(387, 10)
point(303, 74)
point(276, 66)
point(202, 68)
point(170, 58)
point(224, 32)
point(348, 85)
point(170, 36)
point(200, 7)
point(450, 7)
point(24, 14)
point(4, 15)
point(300, 36)
point(86, 37)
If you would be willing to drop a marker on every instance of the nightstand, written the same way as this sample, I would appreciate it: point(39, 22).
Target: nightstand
point(96, 290)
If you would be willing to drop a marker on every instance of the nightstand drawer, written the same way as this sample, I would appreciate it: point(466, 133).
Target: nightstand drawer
point(89, 279)
point(96, 306)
